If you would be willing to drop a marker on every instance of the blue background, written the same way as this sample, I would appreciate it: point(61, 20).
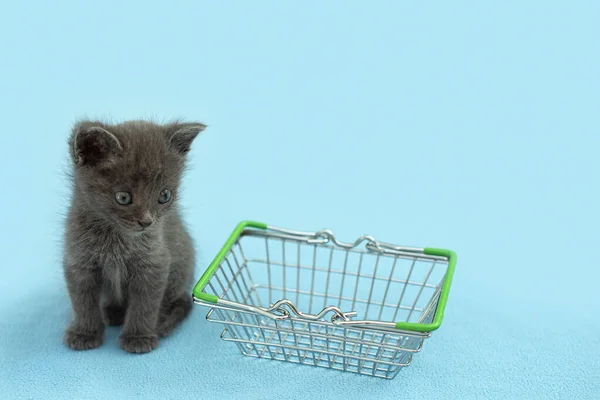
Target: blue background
point(463, 125)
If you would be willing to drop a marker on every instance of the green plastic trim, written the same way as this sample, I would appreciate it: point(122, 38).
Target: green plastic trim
point(439, 312)
point(406, 326)
point(212, 268)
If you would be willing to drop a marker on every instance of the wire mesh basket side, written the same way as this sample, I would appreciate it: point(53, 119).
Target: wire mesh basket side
point(317, 343)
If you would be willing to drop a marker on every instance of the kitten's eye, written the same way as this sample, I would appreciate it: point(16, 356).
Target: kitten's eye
point(165, 196)
point(123, 198)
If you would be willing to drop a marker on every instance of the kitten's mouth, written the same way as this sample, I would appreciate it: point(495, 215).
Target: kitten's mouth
point(137, 231)
point(133, 227)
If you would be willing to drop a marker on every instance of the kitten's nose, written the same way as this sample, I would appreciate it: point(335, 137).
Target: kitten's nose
point(144, 223)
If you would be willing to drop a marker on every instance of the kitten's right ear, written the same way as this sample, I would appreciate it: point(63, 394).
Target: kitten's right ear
point(92, 145)
point(183, 134)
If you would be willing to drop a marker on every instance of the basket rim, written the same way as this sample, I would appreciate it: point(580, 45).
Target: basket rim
point(449, 255)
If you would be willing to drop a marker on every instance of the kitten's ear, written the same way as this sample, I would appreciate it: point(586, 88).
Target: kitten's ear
point(181, 136)
point(91, 144)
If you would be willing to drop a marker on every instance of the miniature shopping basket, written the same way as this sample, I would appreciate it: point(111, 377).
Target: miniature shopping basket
point(307, 298)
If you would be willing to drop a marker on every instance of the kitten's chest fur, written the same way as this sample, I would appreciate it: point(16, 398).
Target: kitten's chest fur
point(124, 255)
point(114, 254)
point(120, 257)
point(122, 251)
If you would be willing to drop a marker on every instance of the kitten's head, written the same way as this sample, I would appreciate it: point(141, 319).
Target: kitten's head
point(130, 173)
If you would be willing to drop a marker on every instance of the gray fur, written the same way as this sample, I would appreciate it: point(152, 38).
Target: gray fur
point(118, 272)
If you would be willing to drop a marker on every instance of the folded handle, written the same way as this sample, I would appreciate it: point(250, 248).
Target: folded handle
point(285, 308)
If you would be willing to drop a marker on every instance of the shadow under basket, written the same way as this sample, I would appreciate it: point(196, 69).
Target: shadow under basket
point(307, 298)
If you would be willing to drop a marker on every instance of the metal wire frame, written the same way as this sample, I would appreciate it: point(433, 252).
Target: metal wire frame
point(278, 330)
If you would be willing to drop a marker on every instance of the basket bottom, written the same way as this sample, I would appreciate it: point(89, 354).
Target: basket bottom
point(323, 356)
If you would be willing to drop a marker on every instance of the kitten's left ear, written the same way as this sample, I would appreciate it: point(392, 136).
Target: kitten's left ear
point(182, 135)
point(91, 144)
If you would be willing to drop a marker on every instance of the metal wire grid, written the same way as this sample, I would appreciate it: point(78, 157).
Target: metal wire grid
point(315, 276)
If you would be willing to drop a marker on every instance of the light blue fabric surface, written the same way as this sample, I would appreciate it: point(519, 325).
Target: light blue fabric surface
point(462, 125)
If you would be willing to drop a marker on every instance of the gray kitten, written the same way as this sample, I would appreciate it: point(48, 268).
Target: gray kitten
point(128, 257)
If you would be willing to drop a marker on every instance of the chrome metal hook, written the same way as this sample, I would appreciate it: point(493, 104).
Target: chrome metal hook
point(326, 236)
point(286, 308)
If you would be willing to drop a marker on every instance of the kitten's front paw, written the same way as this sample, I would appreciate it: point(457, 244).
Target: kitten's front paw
point(81, 340)
point(139, 343)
